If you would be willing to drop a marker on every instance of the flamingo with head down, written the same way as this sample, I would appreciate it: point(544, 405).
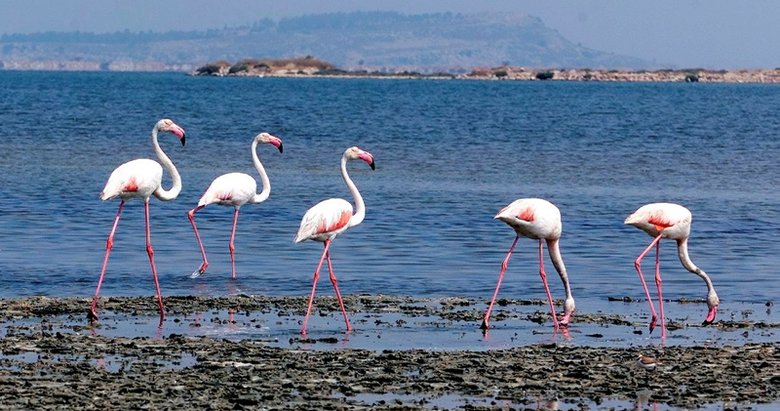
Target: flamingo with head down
point(672, 221)
point(537, 219)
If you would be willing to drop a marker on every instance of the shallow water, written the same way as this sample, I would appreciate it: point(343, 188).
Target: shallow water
point(432, 329)
point(643, 401)
point(449, 155)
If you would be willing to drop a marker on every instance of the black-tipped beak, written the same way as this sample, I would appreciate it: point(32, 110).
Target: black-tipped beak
point(183, 137)
point(373, 165)
point(706, 323)
point(281, 148)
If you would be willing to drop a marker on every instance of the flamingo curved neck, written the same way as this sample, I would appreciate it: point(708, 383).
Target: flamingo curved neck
point(175, 189)
point(555, 255)
point(685, 259)
point(360, 207)
point(263, 195)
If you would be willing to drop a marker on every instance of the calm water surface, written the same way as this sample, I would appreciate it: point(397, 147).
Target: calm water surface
point(449, 155)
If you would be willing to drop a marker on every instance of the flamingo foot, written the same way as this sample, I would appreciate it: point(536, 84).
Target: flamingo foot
point(197, 273)
point(484, 325)
point(652, 323)
point(92, 315)
point(565, 320)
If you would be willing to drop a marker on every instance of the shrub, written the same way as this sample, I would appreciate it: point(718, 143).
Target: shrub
point(545, 75)
point(212, 68)
point(237, 68)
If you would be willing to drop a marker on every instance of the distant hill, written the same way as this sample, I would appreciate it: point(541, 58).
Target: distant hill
point(385, 41)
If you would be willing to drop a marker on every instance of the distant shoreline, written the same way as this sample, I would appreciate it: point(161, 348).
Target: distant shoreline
point(575, 75)
point(312, 68)
point(523, 74)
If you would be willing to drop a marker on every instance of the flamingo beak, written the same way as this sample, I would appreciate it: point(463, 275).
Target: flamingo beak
point(178, 132)
point(278, 144)
point(710, 316)
point(368, 158)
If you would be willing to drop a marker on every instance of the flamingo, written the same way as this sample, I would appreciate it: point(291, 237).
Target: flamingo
point(234, 189)
point(329, 218)
point(141, 178)
point(537, 219)
point(673, 221)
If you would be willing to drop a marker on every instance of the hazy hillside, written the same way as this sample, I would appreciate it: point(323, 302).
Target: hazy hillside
point(371, 40)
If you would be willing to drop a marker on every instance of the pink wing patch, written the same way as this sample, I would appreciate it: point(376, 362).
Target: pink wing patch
point(224, 196)
point(526, 215)
point(130, 186)
point(326, 226)
point(659, 221)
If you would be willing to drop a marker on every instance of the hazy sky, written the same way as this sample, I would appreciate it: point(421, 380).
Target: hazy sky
point(685, 33)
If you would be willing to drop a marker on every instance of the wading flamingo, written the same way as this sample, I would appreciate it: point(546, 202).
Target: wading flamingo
point(329, 218)
point(673, 221)
point(141, 178)
point(537, 219)
point(234, 189)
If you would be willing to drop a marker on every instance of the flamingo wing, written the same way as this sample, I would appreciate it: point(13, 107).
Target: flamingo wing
point(532, 217)
point(672, 219)
point(325, 220)
point(137, 178)
point(229, 189)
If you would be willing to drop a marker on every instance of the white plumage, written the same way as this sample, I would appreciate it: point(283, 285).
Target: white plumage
point(329, 218)
point(235, 189)
point(325, 220)
point(141, 178)
point(673, 221)
point(537, 219)
point(137, 178)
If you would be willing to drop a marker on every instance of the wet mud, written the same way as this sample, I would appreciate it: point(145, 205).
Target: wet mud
point(52, 358)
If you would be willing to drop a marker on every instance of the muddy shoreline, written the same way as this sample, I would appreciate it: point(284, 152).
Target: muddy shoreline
point(51, 358)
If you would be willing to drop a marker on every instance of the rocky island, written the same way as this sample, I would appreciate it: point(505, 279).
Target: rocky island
point(310, 66)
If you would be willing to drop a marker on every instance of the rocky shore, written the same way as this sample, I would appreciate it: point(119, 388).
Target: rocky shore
point(52, 359)
point(657, 76)
point(312, 67)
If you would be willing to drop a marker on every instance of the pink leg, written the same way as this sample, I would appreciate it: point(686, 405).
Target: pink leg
point(150, 252)
point(232, 245)
point(92, 315)
point(638, 266)
point(658, 285)
point(314, 286)
point(504, 265)
point(205, 264)
point(546, 287)
point(338, 293)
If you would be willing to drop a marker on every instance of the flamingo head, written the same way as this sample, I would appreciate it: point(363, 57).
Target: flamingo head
point(266, 138)
point(354, 153)
point(568, 310)
point(171, 127)
point(712, 302)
